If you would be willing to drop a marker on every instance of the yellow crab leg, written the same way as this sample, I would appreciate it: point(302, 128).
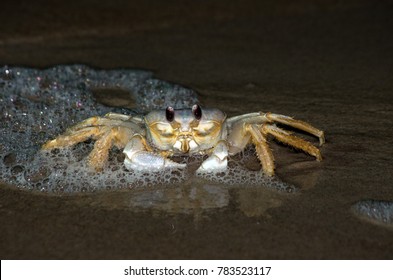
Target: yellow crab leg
point(118, 136)
point(71, 138)
point(99, 155)
point(285, 137)
point(264, 153)
point(297, 124)
point(107, 122)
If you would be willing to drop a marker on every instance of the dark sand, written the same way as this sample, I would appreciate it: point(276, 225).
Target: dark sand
point(326, 62)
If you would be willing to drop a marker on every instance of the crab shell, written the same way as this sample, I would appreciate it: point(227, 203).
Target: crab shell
point(187, 132)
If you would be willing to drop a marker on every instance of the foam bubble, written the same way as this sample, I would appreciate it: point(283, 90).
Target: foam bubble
point(375, 210)
point(239, 173)
point(37, 105)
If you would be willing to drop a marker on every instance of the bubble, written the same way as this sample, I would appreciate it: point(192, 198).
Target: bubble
point(375, 210)
point(9, 159)
point(17, 169)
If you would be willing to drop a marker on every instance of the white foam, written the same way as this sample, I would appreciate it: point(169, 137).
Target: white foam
point(375, 210)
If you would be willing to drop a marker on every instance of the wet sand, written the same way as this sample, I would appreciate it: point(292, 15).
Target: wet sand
point(325, 62)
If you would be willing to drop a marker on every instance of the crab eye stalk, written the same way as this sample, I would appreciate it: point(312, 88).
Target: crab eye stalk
point(170, 114)
point(197, 111)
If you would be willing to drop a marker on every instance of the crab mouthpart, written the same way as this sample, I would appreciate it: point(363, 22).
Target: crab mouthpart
point(185, 146)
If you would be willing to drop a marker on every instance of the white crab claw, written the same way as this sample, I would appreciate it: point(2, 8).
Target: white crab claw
point(217, 161)
point(146, 161)
point(137, 158)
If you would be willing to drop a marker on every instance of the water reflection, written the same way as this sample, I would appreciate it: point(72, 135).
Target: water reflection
point(194, 197)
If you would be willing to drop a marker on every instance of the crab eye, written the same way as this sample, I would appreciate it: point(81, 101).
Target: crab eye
point(170, 114)
point(197, 111)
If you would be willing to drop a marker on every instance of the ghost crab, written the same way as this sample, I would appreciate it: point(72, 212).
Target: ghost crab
point(149, 141)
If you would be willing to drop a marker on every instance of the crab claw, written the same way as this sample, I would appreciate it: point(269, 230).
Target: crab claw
point(217, 161)
point(137, 158)
point(146, 161)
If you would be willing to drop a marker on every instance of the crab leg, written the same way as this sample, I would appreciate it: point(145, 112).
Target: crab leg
point(99, 155)
point(241, 135)
point(260, 117)
point(106, 138)
point(115, 136)
point(125, 118)
point(264, 153)
point(72, 137)
point(285, 137)
point(248, 117)
point(297, 124)
point(109, 122)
